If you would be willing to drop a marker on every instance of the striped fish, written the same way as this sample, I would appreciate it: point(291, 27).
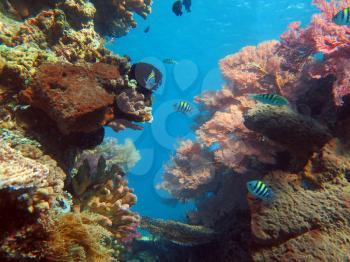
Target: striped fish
point(183, 107)
point(260, 190)
point(342, 17)
point(270, 99)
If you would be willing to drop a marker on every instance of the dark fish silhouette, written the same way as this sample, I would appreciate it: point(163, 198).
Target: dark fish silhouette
point(177, 8)
point(147, 29)
point(187, 4)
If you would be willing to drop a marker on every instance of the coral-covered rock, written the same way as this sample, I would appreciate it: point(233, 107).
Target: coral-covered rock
point(310, 223)
point(115, 17)
point(71, 96)
point(326, 164)
point(21, 63)
point(283, 125)
point(23, 172)
point(30, 183)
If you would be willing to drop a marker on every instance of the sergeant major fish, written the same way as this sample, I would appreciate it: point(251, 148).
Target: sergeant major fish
point(183, 107)
point(169, 61)
point(260, 190)
point(270, 99)
point(342, 17)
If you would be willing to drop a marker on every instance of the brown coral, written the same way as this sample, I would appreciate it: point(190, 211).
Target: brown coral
point(71, 96)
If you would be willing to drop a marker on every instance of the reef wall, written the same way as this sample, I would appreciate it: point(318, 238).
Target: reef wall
point(64, 195)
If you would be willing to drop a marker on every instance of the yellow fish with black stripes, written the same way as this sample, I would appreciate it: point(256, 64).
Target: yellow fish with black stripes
point(260, 190)
point(183, 107)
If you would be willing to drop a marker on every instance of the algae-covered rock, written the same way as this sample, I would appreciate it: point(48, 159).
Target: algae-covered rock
point(283, 125)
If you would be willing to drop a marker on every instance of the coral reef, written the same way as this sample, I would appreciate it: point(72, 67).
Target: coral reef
point(59, 85)
point(301, 150)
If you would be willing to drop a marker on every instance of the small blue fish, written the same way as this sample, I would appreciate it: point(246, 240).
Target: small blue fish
point(183, 107)
point(319, 56)
point(342, 17)
point(151, 81)
point(260, 190)
point(270, 99)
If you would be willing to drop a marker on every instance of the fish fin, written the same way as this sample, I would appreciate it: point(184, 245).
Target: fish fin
point(251, 96)
point(271, 198)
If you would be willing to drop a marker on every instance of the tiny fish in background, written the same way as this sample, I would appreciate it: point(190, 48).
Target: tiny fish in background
point(177, 8)
point(169, 61)
point(342, 17)
point(147, 29)
point(260, 190)
point(270, 99)
point(151, 81)
point(183, 107)
point(187, 4)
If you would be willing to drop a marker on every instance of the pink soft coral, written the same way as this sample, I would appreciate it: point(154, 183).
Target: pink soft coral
point(190, 173)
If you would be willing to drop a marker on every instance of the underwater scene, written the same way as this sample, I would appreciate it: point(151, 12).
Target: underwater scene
point(174, 130)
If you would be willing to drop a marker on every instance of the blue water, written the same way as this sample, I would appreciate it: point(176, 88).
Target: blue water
point(197, 40)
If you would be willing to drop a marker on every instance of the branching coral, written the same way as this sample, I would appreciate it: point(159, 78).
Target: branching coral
point(99, 187)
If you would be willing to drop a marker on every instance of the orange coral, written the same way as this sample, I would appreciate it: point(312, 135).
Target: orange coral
point(112, 200)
